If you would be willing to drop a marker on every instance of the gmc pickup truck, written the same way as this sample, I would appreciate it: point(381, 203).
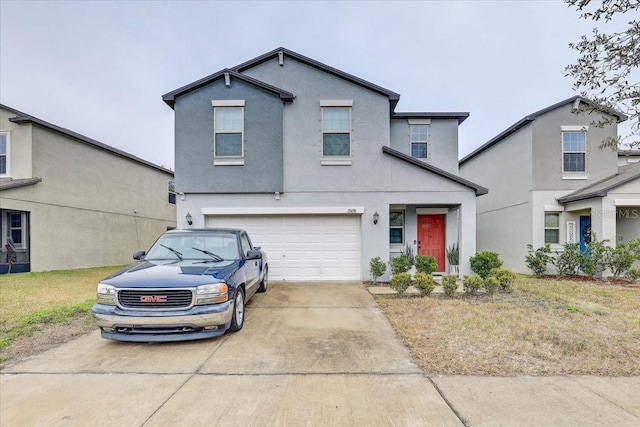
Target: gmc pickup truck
point(191, 284)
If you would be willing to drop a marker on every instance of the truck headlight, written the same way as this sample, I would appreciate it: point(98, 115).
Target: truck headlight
point(106, 294)
point(211, 294)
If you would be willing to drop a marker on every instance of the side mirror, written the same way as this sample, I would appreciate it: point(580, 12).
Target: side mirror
point(254, 254)
point(139, 255)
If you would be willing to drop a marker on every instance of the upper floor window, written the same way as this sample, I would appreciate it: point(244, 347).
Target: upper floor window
point(336, 132)
point(419, 142)
point(396, 227)
point(4, 153)
point(574, 151)
point(228, 130)
point(171, 184)
point(552, 227)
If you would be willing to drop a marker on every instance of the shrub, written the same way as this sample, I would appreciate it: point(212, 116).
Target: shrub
point(537, 260)
point(483, 262)
point(505, 278)
point(408, 251)
point(377, 268)
point(449, 284)
point(491, 284)
point(426, 264)
point(400, 264)
point(622, 257)
point(594, 261)
point(424, 283)
point(633, 274)
point(400, 282)
point(472, 283)
point(569, 260)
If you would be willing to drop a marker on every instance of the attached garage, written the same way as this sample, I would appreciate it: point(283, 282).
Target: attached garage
point(303, 247)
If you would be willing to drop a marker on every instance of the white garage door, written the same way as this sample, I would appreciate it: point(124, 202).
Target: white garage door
point(303, 247)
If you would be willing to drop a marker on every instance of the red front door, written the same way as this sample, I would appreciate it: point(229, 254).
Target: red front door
point(431, 237)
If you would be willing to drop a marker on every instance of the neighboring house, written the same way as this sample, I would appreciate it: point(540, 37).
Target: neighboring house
point(319, 167)
point(628, 156)
point(551, 183)
point(68, 201)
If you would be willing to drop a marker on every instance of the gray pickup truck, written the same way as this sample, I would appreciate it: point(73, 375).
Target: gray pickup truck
point(191, 284)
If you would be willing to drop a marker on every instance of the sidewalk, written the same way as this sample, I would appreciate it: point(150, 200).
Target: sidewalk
point(543, 401)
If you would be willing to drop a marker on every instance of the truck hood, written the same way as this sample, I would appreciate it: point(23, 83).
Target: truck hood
point(172, 274)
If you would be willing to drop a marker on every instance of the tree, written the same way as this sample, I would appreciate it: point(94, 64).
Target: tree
point(607, 70)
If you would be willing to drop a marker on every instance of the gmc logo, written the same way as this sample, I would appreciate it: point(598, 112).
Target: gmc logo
point(153, 298)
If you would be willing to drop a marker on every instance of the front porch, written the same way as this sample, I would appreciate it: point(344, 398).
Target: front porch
point(15, 254)
point(593, 219)
point(429, 230)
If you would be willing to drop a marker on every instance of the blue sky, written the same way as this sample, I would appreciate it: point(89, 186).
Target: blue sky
point(100, 68)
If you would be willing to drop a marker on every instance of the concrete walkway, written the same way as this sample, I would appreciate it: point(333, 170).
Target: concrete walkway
point(309, 354)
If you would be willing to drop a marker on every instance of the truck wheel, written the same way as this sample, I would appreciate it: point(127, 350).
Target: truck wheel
point(264, 285)
point(237, 321)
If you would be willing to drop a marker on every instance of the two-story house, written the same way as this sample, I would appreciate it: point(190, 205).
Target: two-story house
point(68, 201)
point(551, 183)
point(319, 167)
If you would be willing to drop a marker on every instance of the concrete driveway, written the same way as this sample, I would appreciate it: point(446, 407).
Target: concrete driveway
point(309, 354)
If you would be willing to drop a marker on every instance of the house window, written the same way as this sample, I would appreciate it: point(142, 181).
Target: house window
point(16, 228)
point(419, 144)
point(171, 184)
point(229, 130)
point(4, 153)
point(574, 151)
point(552, 227)
point(396, 227)
point(336, 132)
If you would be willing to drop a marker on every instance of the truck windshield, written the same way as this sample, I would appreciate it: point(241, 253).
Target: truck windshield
point(192, 246)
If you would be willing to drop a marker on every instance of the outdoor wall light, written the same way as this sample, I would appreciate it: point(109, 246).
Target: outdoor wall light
point(189, 219)
point(376, 217)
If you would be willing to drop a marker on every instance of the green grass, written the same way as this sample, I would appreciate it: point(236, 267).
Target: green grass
point(30, 302)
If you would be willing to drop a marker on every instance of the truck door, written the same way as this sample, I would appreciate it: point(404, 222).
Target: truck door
point(252, 266)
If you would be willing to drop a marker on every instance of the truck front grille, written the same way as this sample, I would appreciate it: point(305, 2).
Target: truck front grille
point(155, 299)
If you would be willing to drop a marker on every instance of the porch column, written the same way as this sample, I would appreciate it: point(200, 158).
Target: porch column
point(603, 221)
point(467, 235)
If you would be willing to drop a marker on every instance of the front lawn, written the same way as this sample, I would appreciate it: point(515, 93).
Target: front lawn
point(543, 327)
point(33, 301)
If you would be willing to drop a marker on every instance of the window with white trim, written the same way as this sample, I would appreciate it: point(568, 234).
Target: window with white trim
point(419, 141)
point(228, 132)
point(574, 151)
point(171, 187)
point(16, 229)
point(336, 132)
point(552, 227)
point(396, 227)
point(4, 153)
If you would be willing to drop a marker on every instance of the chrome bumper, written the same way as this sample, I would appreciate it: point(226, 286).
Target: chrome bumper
point(111, 317)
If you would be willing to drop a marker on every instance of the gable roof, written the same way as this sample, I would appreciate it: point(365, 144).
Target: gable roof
point(626, 173)
point(478, 189)
point(530, 118)
point(170, 98)
point(460, 116)
point(22, 118)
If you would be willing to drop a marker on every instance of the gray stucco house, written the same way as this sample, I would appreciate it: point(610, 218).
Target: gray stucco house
point(68, 201)
point(319, 167)
point(551, 183)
